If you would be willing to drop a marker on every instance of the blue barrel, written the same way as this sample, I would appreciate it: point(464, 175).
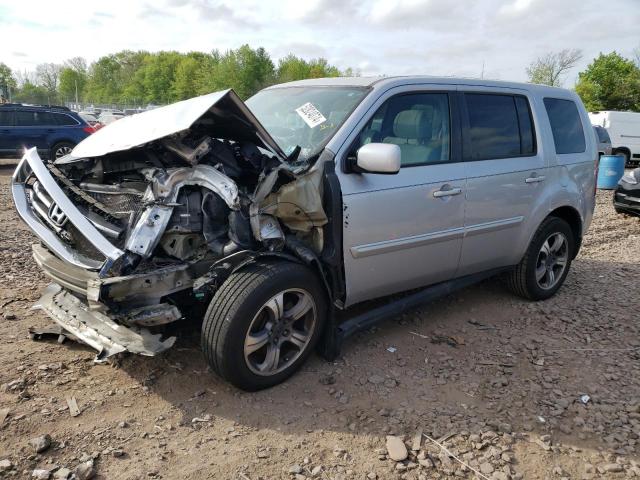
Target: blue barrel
point(610, 171)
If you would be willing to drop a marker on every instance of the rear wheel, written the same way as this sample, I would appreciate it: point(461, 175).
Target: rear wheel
point(263, 323)
point(545, 266)
point(60, 150)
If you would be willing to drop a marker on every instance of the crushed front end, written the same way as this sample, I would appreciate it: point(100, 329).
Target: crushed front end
point(153, 204)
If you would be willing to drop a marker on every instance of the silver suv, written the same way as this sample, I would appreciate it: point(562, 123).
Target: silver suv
point(269, 220)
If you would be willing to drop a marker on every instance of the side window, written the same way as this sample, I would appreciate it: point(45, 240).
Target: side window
point(499, 126)
point(565, 125)
point(25, 119)
point(64, 120)
point(418, 123)
point(43, 118)
point(6, 118)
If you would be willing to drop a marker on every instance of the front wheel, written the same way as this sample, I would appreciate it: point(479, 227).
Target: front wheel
point(545, 265)
point(263, 323)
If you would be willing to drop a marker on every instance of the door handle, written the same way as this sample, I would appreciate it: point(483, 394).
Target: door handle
point(535, 179)
point(447, 193)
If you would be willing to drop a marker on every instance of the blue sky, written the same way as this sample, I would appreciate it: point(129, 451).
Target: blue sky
point(433, 37)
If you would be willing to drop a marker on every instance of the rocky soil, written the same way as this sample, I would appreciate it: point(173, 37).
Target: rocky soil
point(480, 384)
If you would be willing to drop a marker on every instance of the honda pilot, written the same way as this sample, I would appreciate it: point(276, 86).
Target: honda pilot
point(271, 219)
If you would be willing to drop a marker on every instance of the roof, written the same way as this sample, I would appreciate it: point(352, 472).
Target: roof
point(387, 82)
point(27, 105)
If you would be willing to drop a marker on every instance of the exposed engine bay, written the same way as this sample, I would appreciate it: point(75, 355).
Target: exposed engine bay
point(190, 197)
point(159, 204)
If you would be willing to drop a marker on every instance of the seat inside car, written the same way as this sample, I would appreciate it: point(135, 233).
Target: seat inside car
point(412, 132)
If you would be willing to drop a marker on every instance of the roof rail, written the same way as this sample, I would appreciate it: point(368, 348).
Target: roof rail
point(52, 107)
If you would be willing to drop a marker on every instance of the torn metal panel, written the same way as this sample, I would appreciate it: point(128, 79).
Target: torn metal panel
point(166, 185)
point(148, 230)
point(96, 328)
point(298, 203)
point(223, 110)
point(151, 316)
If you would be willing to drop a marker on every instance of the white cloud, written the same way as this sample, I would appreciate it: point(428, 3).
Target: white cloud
point(437, 37)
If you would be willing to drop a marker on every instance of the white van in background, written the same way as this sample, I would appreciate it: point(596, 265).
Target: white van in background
point(624, 130)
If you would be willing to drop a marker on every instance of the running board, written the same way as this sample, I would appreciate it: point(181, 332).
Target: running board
point(340, 330)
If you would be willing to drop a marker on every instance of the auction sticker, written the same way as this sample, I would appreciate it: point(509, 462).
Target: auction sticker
point(310, 114)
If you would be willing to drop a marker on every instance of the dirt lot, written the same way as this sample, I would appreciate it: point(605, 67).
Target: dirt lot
point(501, 392)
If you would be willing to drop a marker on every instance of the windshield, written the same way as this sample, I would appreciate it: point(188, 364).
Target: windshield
point(304, 116)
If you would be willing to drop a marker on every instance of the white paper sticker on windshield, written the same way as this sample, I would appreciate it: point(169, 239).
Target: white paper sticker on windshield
point(310, 114)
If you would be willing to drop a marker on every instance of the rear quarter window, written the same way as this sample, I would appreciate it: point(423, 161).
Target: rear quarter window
point(566, 125)
point(65, 120)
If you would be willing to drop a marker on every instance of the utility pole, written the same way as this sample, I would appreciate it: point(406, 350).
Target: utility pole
point(482, 73)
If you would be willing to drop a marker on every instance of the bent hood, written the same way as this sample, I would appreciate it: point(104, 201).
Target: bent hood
point(227, 115)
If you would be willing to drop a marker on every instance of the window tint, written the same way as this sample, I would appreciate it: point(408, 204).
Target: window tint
point(527, 142)
point(63, 119)
point(25, 119)
point(565, 125)
point(32, 119)
point(493, 126)
point(418, 123)
point(6, 118)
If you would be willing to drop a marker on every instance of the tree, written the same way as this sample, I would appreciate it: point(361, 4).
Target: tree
point(610, 82)
point(7, 80)
point(292, 68)
point(32, 93)
point(72, 82)
point(185, 84)
point(48, 75)
point(548, 70)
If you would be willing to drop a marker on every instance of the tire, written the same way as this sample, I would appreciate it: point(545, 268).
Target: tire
point(622, 153)
point(525, 279)
point(60, 149)
point(242, 315)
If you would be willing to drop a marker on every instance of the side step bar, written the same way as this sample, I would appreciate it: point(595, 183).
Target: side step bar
point(341, 326)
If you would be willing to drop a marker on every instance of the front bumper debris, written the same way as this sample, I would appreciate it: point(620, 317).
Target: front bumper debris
point(96, 328)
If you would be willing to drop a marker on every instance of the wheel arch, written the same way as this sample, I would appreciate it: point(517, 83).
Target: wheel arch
point(573, 218)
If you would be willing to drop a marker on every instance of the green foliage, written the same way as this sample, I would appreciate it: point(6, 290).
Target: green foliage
point(31, 93)
point(71, 81)
point(139, 77)
point(7, 81)
point(292, 68)
point(610, 82)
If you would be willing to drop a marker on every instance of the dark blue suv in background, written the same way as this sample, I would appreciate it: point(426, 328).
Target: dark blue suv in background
point(53, 130)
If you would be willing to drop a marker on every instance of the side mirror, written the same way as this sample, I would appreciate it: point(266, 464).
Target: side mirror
point(378, 158)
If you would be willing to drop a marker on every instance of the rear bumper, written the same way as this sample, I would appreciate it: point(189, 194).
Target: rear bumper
point(97, 329)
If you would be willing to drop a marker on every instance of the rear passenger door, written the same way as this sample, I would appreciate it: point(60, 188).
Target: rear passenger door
point(33, 128)
point(505, 176)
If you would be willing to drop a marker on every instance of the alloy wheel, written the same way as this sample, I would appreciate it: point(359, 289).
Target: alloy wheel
point(62, 151)
point(552, 260)
point(280, 332)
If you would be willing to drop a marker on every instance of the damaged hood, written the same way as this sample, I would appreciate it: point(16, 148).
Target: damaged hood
point(227, 115)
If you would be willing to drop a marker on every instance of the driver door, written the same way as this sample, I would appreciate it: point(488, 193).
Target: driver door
point(405, 230)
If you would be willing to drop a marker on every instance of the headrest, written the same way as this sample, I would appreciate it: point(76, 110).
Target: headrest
point(412, 124)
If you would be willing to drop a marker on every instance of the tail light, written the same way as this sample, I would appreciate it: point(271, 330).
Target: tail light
point(89, 129)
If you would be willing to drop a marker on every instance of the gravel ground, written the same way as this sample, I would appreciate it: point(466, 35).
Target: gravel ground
point(512, 389)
